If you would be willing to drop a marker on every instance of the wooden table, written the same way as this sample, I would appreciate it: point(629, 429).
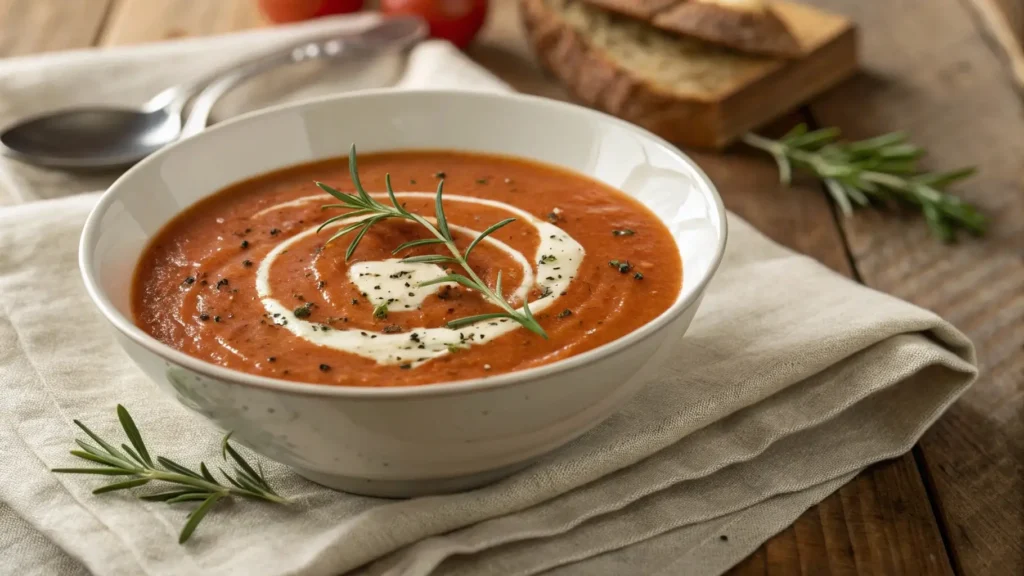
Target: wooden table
point(955, 504)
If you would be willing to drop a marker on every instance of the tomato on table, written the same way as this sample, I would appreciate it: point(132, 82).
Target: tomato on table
point(457, 21)
point(296, 10)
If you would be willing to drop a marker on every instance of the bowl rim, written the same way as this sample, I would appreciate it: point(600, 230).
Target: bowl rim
point(129, 329)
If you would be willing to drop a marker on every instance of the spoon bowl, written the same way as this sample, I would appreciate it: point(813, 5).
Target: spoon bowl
point(91, 138)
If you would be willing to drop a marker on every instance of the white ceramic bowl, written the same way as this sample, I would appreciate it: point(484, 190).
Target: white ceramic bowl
point(442, 437)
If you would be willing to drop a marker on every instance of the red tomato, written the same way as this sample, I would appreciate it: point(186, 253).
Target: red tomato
point(296, 10)
point(457, 21)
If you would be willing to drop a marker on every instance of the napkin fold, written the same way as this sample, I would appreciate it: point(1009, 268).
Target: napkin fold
point(790, 380)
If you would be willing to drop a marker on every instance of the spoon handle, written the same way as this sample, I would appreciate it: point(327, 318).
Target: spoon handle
point(396, 33)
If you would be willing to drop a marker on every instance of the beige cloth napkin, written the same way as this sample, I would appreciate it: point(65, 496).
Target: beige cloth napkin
point(790, 380)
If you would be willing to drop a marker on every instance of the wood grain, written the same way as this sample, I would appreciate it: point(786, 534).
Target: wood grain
point(1004, 23)
point(881, 523)
point(31, 26)
point(932, 73)
point(135, 21)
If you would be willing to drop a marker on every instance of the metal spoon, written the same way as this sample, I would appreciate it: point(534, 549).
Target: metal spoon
point(104, 137)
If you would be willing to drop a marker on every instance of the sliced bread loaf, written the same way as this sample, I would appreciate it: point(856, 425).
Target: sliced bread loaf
point(685, 90)
point(750, 26)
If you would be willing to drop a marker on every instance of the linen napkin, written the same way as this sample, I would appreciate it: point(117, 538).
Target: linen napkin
point(790, 380)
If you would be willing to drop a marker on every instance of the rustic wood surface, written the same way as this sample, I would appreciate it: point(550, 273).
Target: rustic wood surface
point(956, 503)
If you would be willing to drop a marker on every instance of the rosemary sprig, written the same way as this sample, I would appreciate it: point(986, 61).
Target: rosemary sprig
point(136, 462)
point(361, 204)
point(883, 169)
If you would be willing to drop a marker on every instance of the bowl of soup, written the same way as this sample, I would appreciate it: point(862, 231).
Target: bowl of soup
point(405, 293)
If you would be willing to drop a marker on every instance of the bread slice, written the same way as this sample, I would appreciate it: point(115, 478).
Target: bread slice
point(641, 9)
point(746, 26)
point(750, 26)
point(685, 90)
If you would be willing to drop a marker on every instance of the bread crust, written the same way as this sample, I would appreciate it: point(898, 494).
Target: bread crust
point(597, 81)
point(640, 9)
point(751, 31)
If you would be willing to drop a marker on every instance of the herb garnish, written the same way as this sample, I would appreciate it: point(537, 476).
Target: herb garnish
point(623, 266)
point(380, 311)
point(373, 212)
point(880, 169)
point(303, 311)
point(136, 462)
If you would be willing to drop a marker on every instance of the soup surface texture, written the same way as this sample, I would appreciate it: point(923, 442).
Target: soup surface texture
point(243, 279)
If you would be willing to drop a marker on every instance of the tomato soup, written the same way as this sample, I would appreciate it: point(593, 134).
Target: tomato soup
point(244, 279)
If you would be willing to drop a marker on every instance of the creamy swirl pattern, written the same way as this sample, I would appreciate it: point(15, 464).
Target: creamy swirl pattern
point(557, 261)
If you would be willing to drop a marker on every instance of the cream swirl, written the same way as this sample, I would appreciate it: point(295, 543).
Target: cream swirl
point(557, 261)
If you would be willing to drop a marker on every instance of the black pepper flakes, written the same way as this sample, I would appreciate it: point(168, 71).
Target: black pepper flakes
point(204, 317)
point(245, 244)
point(439, 174)
point(325, 368)
point(222, 282)
point(271, 359)
point(274, 231)
point(565, 313)
point(392, 329)
point(638, 276)
point(216, 318)
point(190, 280)
point(247, 263)
point(405, 366)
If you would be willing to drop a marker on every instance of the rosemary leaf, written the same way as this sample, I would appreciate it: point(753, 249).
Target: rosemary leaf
point(490, 229)
point(197, 516)
point(415, 243)
point(121, 485)
point(165, 496)
point(429, 259)
point(133, 434)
